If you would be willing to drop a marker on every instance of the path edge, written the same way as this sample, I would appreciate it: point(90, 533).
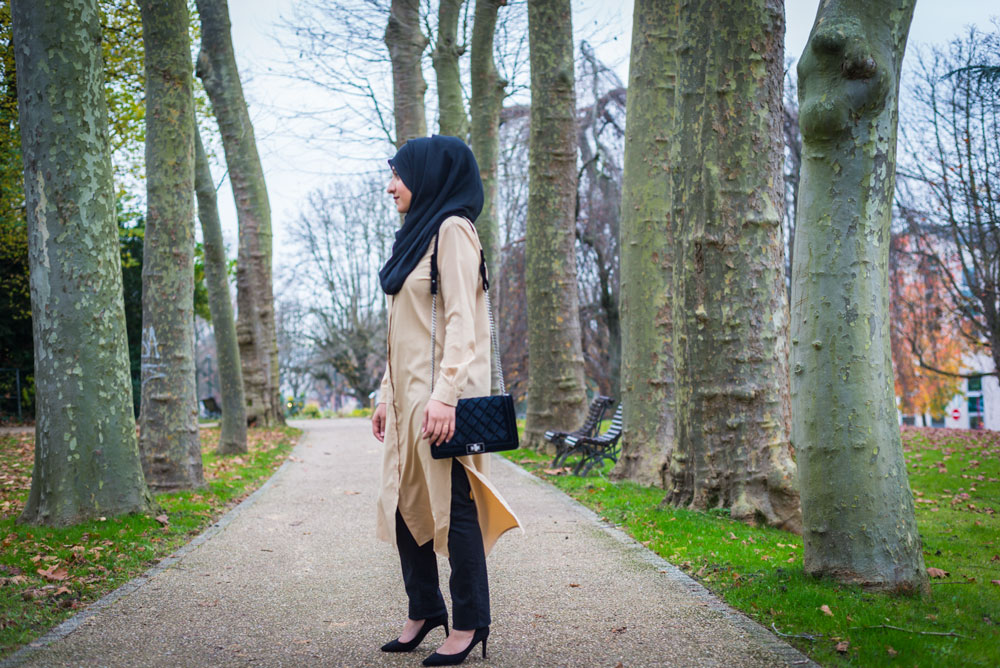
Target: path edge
point(67, 627)
point(739, 619)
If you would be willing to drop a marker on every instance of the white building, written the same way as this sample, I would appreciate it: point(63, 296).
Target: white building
point(976, 407)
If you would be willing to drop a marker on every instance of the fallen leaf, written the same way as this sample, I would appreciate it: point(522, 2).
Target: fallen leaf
point(619, 665)
point(937, 573)
point(53, 573)
point(62, 590)
point(996, 582)
point(842, 646)
point(573, 584)
point(351, 492)
point(558, 471)
point(620, 630)
point(163, 519)
point(891, 651)
point(825, 609)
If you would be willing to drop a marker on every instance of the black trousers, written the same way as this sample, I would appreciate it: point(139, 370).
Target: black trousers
point(470, 593)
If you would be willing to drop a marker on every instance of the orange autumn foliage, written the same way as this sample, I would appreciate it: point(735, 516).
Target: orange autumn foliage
point(924, 333)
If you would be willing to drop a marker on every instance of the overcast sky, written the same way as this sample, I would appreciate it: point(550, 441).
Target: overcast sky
point(293, 166)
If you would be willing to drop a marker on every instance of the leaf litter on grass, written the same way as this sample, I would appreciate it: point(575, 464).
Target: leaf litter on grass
point(960, 535)
point(46, 573)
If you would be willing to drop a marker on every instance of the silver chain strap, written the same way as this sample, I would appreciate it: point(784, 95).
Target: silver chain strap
point(493, 340)
point(496, 344)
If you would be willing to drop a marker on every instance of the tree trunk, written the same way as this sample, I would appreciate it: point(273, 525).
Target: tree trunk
point(647, 247)
point(233, 438)
point(255, 328)
point(729, 312)
point(406, 44)
point(486, 103)
point(87, 460)
point(168, 417)
point(452, 119)
point(856, 505)
point(556, 391)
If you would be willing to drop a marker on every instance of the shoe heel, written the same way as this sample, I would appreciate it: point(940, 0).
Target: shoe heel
point(484, 648)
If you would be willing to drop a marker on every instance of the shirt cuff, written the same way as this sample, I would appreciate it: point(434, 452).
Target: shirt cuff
point(445, 393)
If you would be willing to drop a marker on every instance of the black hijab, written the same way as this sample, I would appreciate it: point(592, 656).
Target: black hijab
point(443, 177)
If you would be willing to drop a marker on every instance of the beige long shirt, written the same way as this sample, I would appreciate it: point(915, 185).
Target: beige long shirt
point(412, 480)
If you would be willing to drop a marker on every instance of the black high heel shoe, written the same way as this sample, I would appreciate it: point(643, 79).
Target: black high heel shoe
point(429, 625)
point(436, 659)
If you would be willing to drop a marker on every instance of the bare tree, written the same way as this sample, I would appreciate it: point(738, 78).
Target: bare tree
point(339, 49)
point(233, 432)
point(255, 315)
point(601, 137)
point(344, 234)
point(295, 354)
point(949, 197)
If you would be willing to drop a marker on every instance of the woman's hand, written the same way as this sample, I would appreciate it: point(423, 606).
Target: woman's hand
point(378, 422)
point(439, 422)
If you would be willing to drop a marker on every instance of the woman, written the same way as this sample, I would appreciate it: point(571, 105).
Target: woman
point(427, 505)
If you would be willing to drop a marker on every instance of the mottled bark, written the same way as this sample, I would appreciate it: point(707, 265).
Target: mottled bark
point(857, 509)
point(86, 454)
point(730, 313)
point(556, 397)
point(484, 136)
point(255, 327)
point(168, 417)
point(647, 246)
point(452, 119)
point(406, 44)
point(233, 438)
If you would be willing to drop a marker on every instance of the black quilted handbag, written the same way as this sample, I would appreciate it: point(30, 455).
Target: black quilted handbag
point(482, 424)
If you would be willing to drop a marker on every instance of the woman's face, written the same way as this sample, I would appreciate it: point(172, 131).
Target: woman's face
point(400, 193)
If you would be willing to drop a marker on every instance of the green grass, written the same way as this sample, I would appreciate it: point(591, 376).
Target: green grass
point(46, 574)
point(760, 571)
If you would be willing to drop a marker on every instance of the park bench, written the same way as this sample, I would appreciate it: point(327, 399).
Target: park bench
point(594, 415)
point(593, 450)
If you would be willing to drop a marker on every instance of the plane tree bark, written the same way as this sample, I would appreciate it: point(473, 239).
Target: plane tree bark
point(857, 508)
point(233, 436)
point(406, 44)
point(87, 460)
point(168, 417)
point(647, 246)
point(729, 317)
point(452, 119)
point(484, 130)
point(255, 328)
point(556, 392)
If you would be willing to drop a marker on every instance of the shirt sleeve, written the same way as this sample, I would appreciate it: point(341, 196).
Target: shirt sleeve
point(458, 267)
point(385, 389)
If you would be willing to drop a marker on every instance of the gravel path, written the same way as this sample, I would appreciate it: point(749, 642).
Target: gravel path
point(295, 577)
